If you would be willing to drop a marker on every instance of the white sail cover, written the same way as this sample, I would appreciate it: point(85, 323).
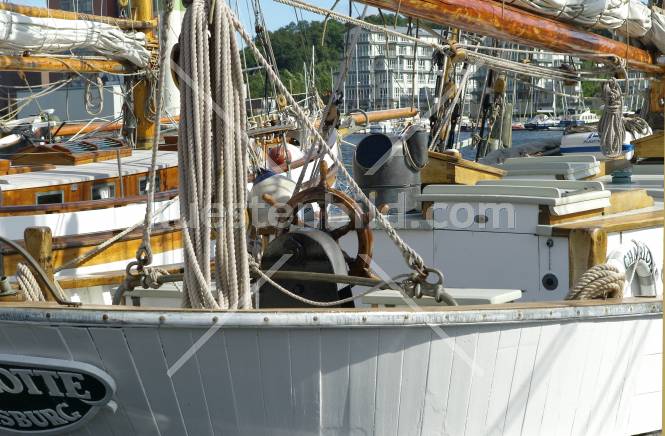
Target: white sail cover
point(19, 33)
point(656, 35)
point(630, 17)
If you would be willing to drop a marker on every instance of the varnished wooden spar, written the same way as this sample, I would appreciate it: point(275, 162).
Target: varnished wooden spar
point(32, 11)
point(384, 115)
point(61, 65)
point(505, 22)
point(78, 128)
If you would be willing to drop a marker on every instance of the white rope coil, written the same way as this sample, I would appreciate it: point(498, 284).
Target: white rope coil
point(599, 281)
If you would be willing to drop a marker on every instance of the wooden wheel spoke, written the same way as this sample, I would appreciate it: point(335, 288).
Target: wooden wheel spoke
point(323, 215)
point(342, 230)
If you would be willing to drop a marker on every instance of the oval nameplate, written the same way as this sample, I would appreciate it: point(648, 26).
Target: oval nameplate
point(49, 396)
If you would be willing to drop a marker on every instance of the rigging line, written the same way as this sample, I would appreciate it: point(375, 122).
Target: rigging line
point(25, 79)
point(411, 257)
point(341, 79)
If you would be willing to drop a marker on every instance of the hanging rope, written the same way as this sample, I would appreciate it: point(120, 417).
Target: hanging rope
point(144, 252)
point(212, 159)
point(27, 283)
point(610, 127)
point(599, 281)
point(94, 107)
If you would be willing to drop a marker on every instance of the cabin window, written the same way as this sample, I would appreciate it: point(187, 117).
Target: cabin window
point(103, 191)
point(143, 184)
point(50, 197)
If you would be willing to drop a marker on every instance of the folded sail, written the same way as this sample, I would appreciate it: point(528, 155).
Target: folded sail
point(20, 33)
point(632, 18)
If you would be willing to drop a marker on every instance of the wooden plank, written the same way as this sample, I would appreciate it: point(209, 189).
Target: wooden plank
point(651, 146)
point(623, 201)
point(633, 371)
point(503, 374)
point(219, 391)
point(51, 344)
point(589, 366)
point(522, 379)
point(549, 346)
point(414, 380)
point(569, 376)
point(601, 410)
point(242, 349)
point(463, 366)
point(335, 361)
point(363, 352)
point(452, 169)
point(276, 378)
point(586, 247)
point(481, 382)
point(151, 368)
point(117, 357)
point(389, 380)
point(82, 348)
point(439, 373)
point(618, 371)
point(187, 380)
point(612, 224)
point(306, 372)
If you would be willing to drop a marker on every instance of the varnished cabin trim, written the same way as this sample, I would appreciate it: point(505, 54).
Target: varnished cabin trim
point(82, 191)
point(78, 206)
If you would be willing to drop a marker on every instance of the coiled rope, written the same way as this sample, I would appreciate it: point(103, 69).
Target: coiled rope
point(599, 281)
point(212, 159)
point(27, 283)
point(611, 129)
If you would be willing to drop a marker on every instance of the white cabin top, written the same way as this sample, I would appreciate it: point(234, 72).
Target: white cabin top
point(138, 162)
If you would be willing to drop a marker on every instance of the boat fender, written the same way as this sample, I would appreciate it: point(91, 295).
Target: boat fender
point(280, 189)
point(636, 261)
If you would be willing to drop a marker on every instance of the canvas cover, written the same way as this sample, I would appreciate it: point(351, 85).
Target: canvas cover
point(20, 33)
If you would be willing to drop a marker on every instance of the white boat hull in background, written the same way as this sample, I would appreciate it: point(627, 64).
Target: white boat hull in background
point(587, 369)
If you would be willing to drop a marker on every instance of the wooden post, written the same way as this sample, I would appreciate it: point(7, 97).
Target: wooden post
point(145, 129)
point(39, 243)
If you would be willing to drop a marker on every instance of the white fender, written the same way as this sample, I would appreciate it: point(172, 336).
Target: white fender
point(636, 262)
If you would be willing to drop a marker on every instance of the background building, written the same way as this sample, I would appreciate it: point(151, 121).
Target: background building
point(381, 73)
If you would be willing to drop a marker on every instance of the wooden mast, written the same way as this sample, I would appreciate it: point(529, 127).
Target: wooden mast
point(145, 129)
point(508, 23)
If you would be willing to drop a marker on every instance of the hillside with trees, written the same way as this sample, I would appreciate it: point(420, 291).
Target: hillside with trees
point(292, 46)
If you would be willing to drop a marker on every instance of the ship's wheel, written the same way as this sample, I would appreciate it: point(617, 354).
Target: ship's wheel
point(325, 196)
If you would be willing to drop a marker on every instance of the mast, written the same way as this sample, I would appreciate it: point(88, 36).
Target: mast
point(145, 129)
point(518, 26)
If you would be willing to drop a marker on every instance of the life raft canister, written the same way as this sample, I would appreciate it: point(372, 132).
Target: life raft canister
point(636, 261)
